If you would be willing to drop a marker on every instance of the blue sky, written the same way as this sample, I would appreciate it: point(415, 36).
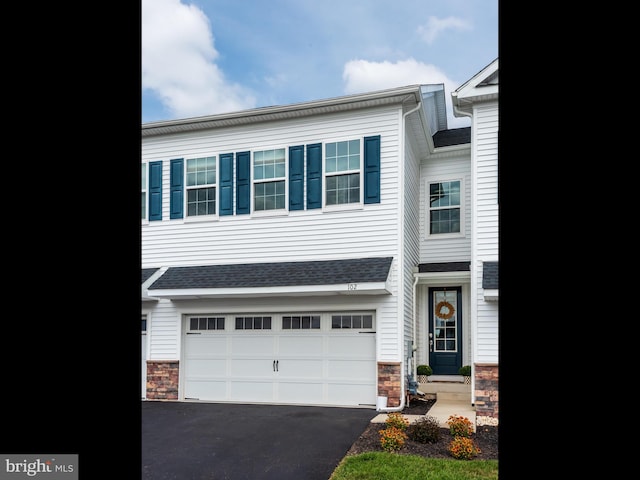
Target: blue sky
point(205, 57)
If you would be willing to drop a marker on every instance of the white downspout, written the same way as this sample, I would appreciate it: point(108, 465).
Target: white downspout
point(403, 376)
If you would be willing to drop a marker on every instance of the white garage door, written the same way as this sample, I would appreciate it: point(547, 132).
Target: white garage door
point(315, 359)
point(144, 356)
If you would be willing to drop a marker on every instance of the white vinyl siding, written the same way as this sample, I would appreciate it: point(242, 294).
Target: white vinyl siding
point(368, 230)
point(485, 227)
point(451, 247)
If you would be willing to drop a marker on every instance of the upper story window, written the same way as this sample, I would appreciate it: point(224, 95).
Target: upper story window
point(444, 207)
point(201, 186)
point(342, 172)
point(143, 177)
point(269, 180)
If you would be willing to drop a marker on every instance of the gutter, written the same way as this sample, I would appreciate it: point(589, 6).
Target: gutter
point(403, 376)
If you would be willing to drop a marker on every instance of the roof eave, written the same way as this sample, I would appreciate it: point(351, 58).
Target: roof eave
point(345, 103)
point(362, 288)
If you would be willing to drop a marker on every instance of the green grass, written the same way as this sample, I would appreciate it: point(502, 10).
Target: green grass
point(392, 466)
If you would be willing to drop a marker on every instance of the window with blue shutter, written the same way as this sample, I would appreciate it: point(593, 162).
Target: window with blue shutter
point(372, 169)
point(314, 175)
point(243, 182)
point(296, 177)
point(155, 190)
point(226, 184)
point(176, 188)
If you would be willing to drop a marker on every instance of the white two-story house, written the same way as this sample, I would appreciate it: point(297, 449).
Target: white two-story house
point(316, 253)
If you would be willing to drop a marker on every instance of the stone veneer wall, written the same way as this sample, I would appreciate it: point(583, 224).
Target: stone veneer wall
point(162, 379)
point(389, 384)
point(486, 394)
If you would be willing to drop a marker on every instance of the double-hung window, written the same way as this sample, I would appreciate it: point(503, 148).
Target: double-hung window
point(143, 177)
point(201, 186)
point(269, 180)
point(342, 172)
point(445, 207)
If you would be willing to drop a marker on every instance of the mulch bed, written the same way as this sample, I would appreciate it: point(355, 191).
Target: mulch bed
point(485, 437)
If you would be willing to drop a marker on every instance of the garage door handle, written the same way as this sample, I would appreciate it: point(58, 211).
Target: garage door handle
point(277, 361)
point(274, 365)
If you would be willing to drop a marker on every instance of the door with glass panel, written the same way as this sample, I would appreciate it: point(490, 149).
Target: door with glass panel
point(445, 330)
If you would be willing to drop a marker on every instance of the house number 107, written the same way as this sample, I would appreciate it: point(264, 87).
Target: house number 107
point(352, 286)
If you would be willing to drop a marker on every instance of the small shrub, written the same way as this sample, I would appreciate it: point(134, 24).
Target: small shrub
point(465, 371)
point(463, 448)
point(396, 419)
point(392, 439)
point(425, 430)
point(424, 370)
point(460, 426)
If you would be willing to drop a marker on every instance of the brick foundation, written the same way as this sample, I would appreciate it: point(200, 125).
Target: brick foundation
point(162, 379)
point(389, 384)
point(486, 394)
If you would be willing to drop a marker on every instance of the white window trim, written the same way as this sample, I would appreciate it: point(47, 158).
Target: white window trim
point(427, 210)
point(145, 220)
point(280, 211)
point(201, 218)
point(359, 205)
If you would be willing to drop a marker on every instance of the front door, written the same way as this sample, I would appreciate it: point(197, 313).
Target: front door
point(445, 330)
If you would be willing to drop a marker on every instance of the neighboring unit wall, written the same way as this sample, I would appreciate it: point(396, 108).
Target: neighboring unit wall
point(485, 241)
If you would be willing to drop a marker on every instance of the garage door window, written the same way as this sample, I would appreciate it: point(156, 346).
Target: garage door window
point(351, 321)
point(253, 323)
point(301, 322)
point(206, 323)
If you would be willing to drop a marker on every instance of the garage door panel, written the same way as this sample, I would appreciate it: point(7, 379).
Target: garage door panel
point(294, 345)
point(206, 345)
point(206, 367)
point(349, 394)
point(297, 392)
point(352, 345)
point(206, 389)
point(300, 368)
point(254, 391)
point(252, 367)
point(252, 345)
point(358, 370)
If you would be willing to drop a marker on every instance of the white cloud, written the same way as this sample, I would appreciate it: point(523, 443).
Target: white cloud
point(178, 62)
point(362, 76)
point(436, 25)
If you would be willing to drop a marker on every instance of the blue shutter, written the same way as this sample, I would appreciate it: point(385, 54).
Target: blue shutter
point(372, 169)
point(243, 182)
point(155, 190)
point(226, 184)
point(296, 177)
point(314, 175)
point(176, 188)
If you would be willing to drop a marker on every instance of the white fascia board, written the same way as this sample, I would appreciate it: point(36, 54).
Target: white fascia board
point(437, 278)
point(145, 285)
point(491, 294)
point(370, 288)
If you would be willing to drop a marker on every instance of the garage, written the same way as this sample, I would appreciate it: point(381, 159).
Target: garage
point(325, 358)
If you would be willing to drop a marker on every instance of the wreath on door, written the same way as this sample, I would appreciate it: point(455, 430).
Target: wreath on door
point(450, 310)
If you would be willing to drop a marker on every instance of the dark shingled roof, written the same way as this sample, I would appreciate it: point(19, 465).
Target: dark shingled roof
point(453, 136)
point(490, 275)
point(329, 272)
point(147, 272)
point(444, 267)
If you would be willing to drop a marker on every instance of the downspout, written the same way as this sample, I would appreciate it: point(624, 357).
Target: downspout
point(403, 376)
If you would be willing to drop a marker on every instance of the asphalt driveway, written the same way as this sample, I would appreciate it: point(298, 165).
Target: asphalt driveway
point(188, 441)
